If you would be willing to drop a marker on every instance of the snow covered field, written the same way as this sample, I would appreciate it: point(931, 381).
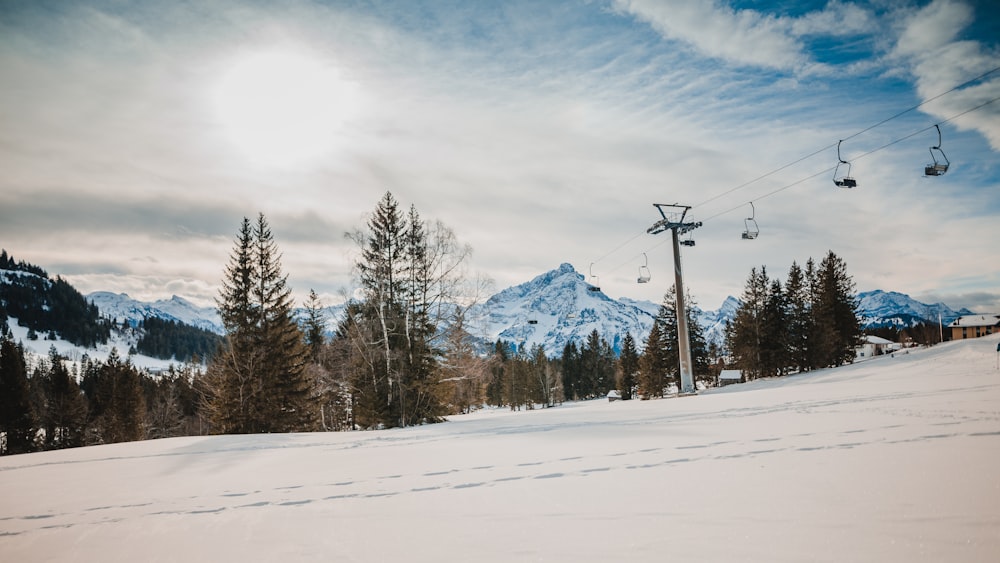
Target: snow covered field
point(894, 459)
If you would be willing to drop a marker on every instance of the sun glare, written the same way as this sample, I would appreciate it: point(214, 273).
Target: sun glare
point(283, 108)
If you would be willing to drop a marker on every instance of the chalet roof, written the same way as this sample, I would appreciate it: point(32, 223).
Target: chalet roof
point(730, 374)
point(976, 320)
point(876, 340)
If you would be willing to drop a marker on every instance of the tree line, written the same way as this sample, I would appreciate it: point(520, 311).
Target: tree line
point(54, 403)
point(807, 323)
point(403, 353)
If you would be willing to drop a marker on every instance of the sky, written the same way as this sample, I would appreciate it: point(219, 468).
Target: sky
point(135, 136)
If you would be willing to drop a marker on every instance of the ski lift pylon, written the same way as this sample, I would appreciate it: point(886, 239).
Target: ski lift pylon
point(844, 181)
point(594, 286)
point(644, 275)
point(937, 168)
point(751, 229)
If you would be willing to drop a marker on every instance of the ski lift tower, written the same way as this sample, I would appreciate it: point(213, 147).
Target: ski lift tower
point(673, 221)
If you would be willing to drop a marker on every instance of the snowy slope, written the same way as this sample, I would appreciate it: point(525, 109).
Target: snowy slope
point(891, 460)
point(121, 343)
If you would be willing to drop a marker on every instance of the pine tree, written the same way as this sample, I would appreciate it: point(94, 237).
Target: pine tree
point(407, 273)
point(774, 339)
point(835, 307)
point(746, 331)
point(570, 369)
point(628, 365)
point(257, 382)
point(798, 317)
point(64, 415)
point(653, 367)
point(115, 400)
point(496, 388)
point(315, 326)
point(18, 421)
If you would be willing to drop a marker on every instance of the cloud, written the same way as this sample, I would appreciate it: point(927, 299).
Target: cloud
point(749, 37)
point(930, 43)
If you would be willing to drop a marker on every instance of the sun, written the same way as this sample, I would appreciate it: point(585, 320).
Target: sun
point(284, 107)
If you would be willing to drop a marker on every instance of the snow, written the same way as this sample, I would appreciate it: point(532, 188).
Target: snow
point(895, 459)
point(119, 306)
point(40, 349)
point(972, 321)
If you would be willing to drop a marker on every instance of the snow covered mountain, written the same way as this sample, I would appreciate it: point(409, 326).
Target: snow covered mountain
point(558, 307)
point(892, 309)
point(121, 307)
point(552, 309)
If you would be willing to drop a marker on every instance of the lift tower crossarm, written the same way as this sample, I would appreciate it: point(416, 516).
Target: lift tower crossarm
point(667, 223)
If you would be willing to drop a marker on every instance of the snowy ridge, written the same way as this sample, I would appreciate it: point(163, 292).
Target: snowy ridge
point(880, 308)
point(558, 307)
point(121, 307)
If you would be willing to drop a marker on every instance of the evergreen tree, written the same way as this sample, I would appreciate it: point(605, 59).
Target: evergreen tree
point(257, 381)
point(629, 367)
point(571, 370)
point(798, 318)
point(496, 388)
point(835, 307)
point(669, 347)
point(315, 326)
point(746, 329)
point(653, 367)
point(18, 421)
point(407, 272)
point(64, 410)
point(774, 339)
point(116, 404)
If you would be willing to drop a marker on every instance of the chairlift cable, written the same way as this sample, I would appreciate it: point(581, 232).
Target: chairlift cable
point(859, 157)
point(825, 171)
point(865, 130)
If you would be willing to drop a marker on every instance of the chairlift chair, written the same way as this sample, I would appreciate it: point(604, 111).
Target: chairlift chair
point(844, 181)
point(689, 241)
point(594, 286)
point(751, 229)
point(644, 275)
point(937, 168)
point(532, 321)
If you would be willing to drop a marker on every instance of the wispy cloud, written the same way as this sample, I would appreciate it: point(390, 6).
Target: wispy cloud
point(749, 37)
point(930, 43)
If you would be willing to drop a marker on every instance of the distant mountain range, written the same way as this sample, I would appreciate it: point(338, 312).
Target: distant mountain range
point(551, 310)
point(891, 309)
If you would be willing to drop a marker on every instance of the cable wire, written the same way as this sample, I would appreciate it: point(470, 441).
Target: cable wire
point(812, 154)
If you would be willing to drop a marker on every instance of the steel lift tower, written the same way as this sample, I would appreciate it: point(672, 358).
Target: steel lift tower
point(673, 221)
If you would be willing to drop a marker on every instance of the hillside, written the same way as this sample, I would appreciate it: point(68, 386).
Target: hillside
point(50, 308)
point(892, 460)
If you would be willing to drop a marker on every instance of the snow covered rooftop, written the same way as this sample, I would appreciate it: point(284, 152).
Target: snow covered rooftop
point(976, 320)
point(871, 339)
point(730, 374)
